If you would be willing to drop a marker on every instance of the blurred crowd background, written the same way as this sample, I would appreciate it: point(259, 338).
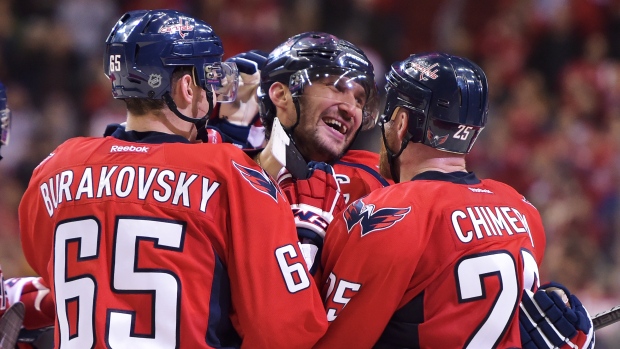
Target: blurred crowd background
point(553, 69)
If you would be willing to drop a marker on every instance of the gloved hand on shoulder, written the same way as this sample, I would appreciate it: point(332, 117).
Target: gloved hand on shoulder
point(240, 120)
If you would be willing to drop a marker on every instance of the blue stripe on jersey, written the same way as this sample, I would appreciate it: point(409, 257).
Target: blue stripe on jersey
point(220, 331)
point(368, 169)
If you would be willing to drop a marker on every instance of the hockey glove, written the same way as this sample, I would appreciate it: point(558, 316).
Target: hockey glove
point(549, 321)
point(239, 120)
point(314, 201)
point(111, 128)
point(250, 62)
point(34, 293)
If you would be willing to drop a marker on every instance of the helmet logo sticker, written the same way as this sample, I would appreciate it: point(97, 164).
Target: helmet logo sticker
point(154, 80)
point(423, 68)
point(434, 139)
point(295, 83)
point(182, 27)
point(280, 50)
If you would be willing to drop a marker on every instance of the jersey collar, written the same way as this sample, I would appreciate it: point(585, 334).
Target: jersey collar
point(459, 177)
point(151, 137)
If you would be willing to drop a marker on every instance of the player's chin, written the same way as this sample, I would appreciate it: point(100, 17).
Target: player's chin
point(328, 152)
point(329, 156)
point(330, 149)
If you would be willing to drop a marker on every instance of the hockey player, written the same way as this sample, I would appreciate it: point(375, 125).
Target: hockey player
point(442, 258)
point(5, 118)
point(5, 122)
point(148, 241)
point(322, 90)
point(29, 290)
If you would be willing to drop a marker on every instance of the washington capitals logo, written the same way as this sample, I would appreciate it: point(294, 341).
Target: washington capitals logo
point(369, 220)
point(278, 51)
point(435, 140)
point(183, 27)
point(258, 180)
point(426, 71)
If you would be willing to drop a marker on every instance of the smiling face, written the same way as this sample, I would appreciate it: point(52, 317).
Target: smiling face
point(331, 115)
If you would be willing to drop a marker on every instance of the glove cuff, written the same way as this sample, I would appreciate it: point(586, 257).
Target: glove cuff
point(312, 218)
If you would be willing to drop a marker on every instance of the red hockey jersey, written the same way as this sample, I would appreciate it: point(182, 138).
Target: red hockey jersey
point(153, 245)
point(357, 174)
point(445, 255)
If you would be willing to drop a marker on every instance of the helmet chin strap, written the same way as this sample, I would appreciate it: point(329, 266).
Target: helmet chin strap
point(200, 124)
point(393, 156)
point(290, 130)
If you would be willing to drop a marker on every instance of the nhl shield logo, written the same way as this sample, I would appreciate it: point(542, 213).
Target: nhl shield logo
point(154, 80)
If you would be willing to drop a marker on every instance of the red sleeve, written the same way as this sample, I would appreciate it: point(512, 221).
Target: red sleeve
point(269, 279)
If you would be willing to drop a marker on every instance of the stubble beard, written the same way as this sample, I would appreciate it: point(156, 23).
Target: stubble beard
point(314, 148)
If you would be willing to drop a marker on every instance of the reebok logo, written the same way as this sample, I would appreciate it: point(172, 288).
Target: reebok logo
point(128, 149)
point(477, 190)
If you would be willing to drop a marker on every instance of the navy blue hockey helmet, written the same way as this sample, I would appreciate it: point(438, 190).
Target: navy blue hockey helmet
point(144, 48)
point(5, 118)
point(308, 56)
point(447, 99)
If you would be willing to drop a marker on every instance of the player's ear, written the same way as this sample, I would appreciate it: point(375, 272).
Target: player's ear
point(279, 94)
point(402, 121)
point(281, 98)
point(182, 91)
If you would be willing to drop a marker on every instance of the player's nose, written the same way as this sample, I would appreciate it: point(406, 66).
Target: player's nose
point(349, 111)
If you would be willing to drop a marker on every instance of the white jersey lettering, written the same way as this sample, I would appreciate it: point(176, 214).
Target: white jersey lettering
point(164, 186)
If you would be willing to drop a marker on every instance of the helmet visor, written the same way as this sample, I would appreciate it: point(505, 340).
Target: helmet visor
point(345, 85)
point(5, 125)
point(222, 78)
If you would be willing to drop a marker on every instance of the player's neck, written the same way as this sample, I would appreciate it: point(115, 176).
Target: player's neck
point(268, 162)
point(421, 158)
point(163, 123)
